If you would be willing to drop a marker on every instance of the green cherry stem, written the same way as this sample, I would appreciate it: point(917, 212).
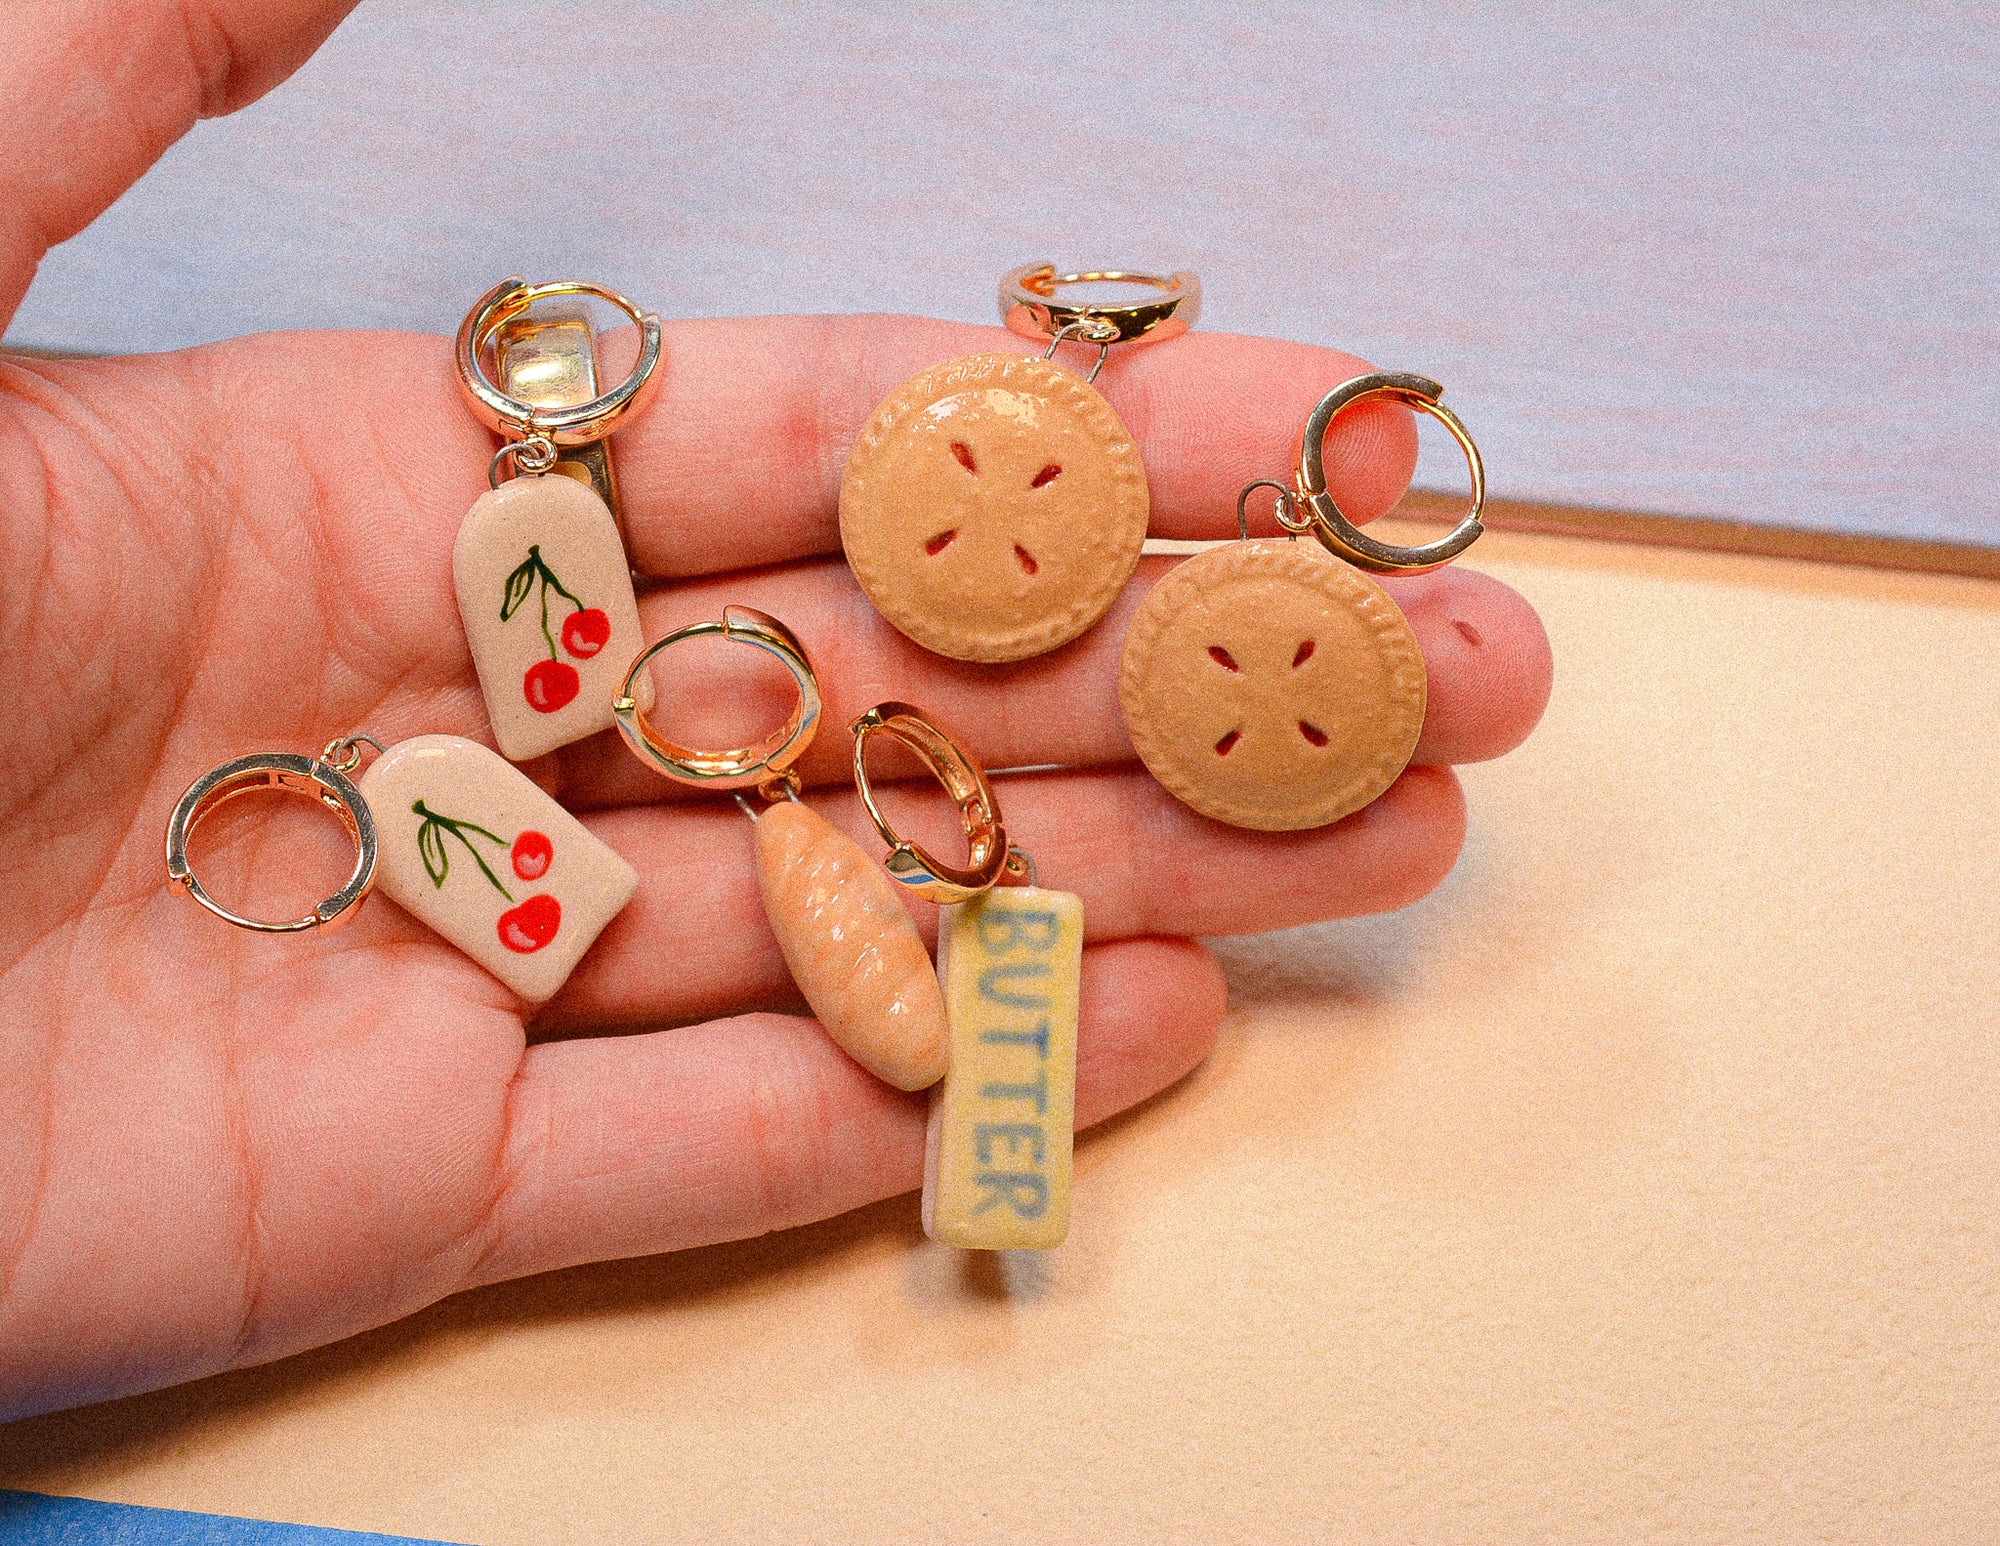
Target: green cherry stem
point(549, 582)
point(458, 829)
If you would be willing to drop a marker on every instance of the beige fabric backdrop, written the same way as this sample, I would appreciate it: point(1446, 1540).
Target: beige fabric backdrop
point(1639, 1186)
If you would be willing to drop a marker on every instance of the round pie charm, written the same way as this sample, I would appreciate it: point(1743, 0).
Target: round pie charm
point(993, 507)
point(1269, 685)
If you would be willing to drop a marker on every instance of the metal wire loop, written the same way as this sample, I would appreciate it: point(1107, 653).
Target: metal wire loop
point(1285, 509)
point(343, 753)
point(1086, 330)
point(535, 455)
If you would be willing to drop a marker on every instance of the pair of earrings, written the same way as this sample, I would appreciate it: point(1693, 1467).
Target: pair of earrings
point(992, 1029)
point(994, 507)
point(461, 839)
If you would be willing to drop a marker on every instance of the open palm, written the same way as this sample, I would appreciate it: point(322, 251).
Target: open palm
point(217, 1148)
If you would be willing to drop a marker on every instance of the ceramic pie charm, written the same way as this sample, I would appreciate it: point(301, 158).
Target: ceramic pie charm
point(1268, 685)
point(993, 507)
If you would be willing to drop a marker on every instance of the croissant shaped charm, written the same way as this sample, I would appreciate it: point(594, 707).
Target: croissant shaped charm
point(851, 946)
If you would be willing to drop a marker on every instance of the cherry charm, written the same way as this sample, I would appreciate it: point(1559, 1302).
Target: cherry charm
point(547, 602)
point(585, 631)
point(473, 848)
point(524, 928)
point(531, 855)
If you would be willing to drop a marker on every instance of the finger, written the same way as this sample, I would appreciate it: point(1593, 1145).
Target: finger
point(94, 92)
point(632, 1145)
point(1142, 863)
point(739, 461)
point(1486, 653)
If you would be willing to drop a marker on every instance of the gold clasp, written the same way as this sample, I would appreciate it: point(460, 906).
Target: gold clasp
point(766, 766)
point(1030, 307)
point(323, 778)
point(987, 851)
point(1335, 532)
point(554, 414)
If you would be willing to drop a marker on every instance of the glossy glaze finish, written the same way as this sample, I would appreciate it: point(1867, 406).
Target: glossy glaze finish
point(851, 946)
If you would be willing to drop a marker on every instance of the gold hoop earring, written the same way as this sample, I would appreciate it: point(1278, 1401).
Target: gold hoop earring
point(436, 821)
point(1270, 686)
point(993, 506)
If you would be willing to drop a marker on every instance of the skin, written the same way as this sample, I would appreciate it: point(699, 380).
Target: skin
point(217, 1148)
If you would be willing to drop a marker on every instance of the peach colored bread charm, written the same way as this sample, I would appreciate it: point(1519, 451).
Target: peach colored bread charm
point(993, 507)
point(851, 946)
point(997, 1152)
point(473, 848)
point(1269, 685)
point(546, 598)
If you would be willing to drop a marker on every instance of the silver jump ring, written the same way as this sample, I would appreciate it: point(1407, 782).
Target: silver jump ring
point(536, 454)
point(1287, 501)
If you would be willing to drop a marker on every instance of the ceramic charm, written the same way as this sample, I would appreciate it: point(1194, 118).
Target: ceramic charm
point(544, 588)
point(851, 946)
point(1269, 684)
point(993, 506)
point(549, 613)
point(850, 943)
point(470, 846)
point(463, 841)
point(997, 1149)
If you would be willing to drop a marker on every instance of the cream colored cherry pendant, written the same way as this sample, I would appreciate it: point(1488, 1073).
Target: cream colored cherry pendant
point(994, 506)
point(550, 616)
point(463, 841)
point(544, 586)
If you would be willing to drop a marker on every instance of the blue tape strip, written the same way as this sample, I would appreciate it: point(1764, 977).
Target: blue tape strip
point(31, 1519)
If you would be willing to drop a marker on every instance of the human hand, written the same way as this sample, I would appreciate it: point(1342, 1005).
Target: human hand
point(217, 1148)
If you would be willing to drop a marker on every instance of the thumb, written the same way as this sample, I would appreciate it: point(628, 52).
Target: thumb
point(94, 91)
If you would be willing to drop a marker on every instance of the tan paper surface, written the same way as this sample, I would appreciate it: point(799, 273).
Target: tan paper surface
point(1642, 1185)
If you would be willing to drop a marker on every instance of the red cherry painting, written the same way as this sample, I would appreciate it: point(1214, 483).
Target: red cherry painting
point(531, 854)
point(525, 929)
point(549, 685)
point(585, 633)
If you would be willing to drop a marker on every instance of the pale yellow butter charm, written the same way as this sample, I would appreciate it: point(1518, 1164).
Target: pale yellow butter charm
point(997, 1161)
point(546, 597)
point(474, 849)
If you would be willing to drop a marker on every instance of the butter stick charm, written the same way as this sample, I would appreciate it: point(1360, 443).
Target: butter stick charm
point(1271, 683)
point(844, 932)
point(464, 842)
point(1002, 1120)
point(544, 587)
point(997, 1151)
point(993, 506)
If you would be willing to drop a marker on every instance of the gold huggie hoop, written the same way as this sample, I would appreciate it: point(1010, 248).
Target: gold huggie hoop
point(765, 766)
point(1339, 535)
point(978, 810)
point(1029, 307)
point(323, 778)
point(571, 426)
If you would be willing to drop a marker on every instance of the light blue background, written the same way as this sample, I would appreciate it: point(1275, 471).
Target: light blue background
point(1736, 260)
